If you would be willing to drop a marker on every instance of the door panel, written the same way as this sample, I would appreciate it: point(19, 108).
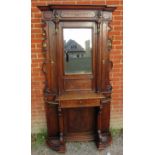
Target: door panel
point(79, 120)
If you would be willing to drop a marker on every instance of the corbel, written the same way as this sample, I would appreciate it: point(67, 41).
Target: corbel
point(47, 15)
point(56, 20)
point(99, 20)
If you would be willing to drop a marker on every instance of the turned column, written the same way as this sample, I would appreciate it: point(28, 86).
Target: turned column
point(61, 130)
point(99, 124)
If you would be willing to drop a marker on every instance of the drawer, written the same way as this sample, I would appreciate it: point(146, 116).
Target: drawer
point(80, 103)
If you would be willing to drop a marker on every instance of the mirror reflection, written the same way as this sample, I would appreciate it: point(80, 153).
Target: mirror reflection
point(77, 50)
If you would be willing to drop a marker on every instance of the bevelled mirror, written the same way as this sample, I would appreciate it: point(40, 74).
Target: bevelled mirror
point(77, 50)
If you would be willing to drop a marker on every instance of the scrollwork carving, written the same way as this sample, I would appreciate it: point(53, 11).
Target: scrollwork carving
point(110, 65)
point(108, 89)
point(44, 50)
point(44, 70)
point(47, 15)
point(109, 44)
point(107, 15)
point(104, 101)
point(44, 42)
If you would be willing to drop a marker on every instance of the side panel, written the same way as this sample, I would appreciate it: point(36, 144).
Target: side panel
point(52, 121)
point(52, 50)
point(50, 71)
point(105, 116)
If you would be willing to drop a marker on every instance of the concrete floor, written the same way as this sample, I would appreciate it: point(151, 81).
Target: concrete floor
point(83, 148)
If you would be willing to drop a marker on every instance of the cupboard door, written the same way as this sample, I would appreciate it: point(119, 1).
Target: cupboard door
point(80, 120)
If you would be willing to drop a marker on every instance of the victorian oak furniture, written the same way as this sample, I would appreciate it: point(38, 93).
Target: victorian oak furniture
point(76, 65)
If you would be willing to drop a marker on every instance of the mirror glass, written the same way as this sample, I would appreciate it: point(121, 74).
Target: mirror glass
point(77, 50)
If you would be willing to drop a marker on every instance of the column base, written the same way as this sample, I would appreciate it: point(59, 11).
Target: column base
point(105, 141)
point(54, 143)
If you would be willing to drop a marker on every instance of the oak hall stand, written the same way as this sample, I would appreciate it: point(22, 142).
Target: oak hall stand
point(77, 90)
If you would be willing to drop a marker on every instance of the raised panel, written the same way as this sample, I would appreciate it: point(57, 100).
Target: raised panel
point(80, 120)
point(77, 84)
point(77, 14)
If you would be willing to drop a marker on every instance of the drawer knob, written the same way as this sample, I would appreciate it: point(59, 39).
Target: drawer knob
point(80, 102)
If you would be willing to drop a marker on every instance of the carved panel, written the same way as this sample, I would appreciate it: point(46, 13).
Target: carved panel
point(110, 65)
point(77, 14)
point(109, 44)
point(107, 66)
point(107, 15)
point(47, 15)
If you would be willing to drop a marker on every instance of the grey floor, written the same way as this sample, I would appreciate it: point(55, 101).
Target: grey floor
point(83, 148)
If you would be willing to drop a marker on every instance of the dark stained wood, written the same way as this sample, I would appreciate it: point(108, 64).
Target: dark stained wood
point(79, 96)
point(61, 129)
point(77, 105)
point(84, 123)
point(80, 103)
point(76, 7)
point(52, 122)
point(83, 136)
point(77, 84)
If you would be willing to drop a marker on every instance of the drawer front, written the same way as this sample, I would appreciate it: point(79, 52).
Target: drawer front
point(80, 103)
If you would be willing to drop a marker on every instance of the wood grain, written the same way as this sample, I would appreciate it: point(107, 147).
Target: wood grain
point(77, 106)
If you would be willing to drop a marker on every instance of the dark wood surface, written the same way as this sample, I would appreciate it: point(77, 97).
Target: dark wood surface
point(77, 105)
point(80, 96)
point(77, 7)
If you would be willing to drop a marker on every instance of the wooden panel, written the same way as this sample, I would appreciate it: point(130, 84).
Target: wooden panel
point(82, 136)
point(105, 117)
point(52, 51)
point(79, 96)
point(77, 14)
point(79, 120)
point(52, 120)
point(80, 103)
point(76, 7)
point(79, 84)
